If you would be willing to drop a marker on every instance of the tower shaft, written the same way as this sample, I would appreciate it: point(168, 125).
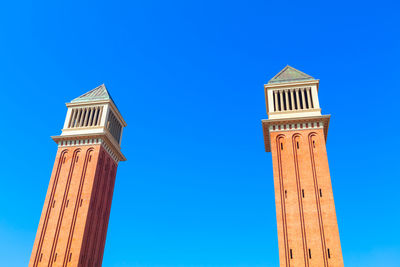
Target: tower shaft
point(74, 219)
point(307, 226)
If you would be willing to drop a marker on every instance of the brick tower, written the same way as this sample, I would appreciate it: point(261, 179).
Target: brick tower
point(73, 225)
point(295, 132)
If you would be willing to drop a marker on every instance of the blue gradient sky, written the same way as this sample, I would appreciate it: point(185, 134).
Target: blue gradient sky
point(197, 189)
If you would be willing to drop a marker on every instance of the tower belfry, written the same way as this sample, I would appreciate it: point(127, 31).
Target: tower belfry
point(73, 225)
point(295, 133)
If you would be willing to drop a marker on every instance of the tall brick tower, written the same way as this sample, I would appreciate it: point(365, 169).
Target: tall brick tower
point(73, 225)
point(295, 132)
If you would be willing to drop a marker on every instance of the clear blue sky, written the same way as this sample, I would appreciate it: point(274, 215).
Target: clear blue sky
point(197, 189)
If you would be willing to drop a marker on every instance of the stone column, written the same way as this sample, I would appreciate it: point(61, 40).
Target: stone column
point(303, 98)
point(287, 99)
point(310, 101)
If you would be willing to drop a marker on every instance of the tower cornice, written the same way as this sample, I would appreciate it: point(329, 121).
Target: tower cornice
point(92, 139)
point(298, 124)
point(291, 84)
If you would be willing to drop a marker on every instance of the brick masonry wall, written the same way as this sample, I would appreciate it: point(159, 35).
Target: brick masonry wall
point(306, 217)
point(79, 195)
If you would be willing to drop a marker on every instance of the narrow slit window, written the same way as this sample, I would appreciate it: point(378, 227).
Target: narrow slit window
point(281, 146)
point(85, 122)
point(279, 101)
point(302, 192)
point(291, 253)
point(55, 257)
point(92, 112)
point(70, 256)
point(297, 144)
point(311, 100)
point(67, 203)
point(306, 99)
point(78, 123)
point(78, 113)
point(82, 118)
point(284, 100)
point(87, 117)
point(82, 123)
point(320, 192)
point(313, 142)
point(54, 203)
point(296, 105)
point(89, 121)
point(96, 116)
point(77, 157)
point(285, 193)
point(81, 202)
point(301, 104)
point(41, 256)
point(329, 253)
point(309, 253)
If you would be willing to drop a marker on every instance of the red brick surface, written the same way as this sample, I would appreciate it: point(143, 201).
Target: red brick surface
point(306, 223)
point(74, 220)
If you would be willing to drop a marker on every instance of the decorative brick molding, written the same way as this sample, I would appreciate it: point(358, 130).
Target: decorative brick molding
point(307, 123)
point(88, 142)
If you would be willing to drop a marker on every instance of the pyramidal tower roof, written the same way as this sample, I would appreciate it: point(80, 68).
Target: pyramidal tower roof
point(290, 74)
point(98, 93)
